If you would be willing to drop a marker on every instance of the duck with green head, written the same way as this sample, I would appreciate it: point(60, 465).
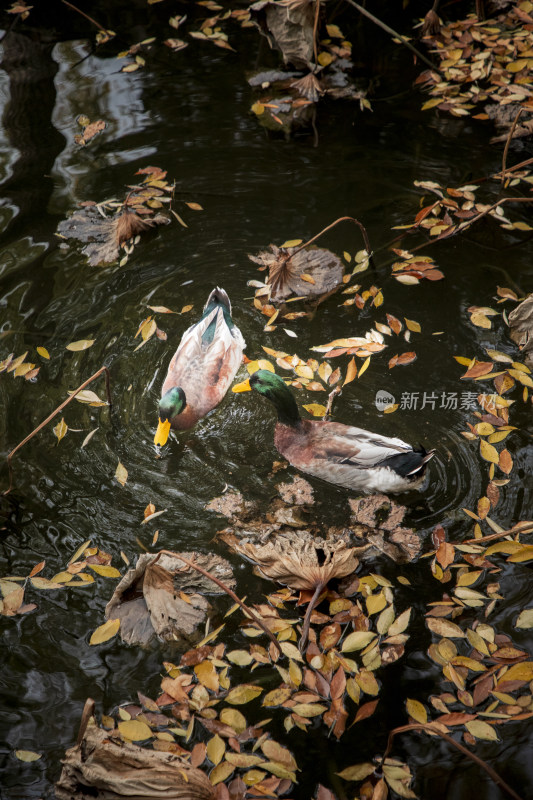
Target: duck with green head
point(337, 453)
point(202, 368)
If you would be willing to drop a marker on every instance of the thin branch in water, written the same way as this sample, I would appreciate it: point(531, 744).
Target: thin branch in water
point(88, 712)
point(228, 591)
point(429, 726)
point(394, 33)
point(52, 415)
point(83, 14)
point(507, 143)
point(491, 537)
point(307, 619)
point(315, 30)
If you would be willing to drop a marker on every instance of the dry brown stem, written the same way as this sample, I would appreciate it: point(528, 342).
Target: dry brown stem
point(507, 143)
point(52, 415)
point(395, 34)
point(332, 225)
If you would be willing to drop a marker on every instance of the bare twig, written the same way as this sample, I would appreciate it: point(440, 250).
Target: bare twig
point(226, 589)
point(395, 34)
point(307, 619)
point(87, 713)
point(83, 14)
point(53, 414)
point(431, 727)
point(507, 143)
point(332, 225)
point(528, 528)
point(315, 30)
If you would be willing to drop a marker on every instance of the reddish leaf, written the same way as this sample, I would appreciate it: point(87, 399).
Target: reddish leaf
point(366, 710)
point(445, 554)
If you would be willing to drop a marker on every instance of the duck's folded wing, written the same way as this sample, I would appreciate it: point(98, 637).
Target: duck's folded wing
point(344, 444)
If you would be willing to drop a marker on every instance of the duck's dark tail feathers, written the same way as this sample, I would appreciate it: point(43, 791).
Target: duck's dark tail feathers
point(409, 464)
point(218, 297)
point(424, 456)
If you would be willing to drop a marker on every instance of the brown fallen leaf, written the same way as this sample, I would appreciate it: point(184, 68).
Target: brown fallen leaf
point(148, 599)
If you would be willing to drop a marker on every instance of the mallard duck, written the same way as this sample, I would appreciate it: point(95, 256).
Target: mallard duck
point(337, 453)
point(201, 369)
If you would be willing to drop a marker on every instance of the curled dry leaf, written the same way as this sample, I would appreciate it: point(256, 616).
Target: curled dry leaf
point(288, 27)
point(100, 766)
point(104, 235)
point(286, 266)
point(521, 328)
point(149, 598)
point(299, 560)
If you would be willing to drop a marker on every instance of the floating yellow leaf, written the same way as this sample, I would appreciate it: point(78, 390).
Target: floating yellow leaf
point(27, 755)
point(412, 325)
point(291, 243)
point(216, 749)
point(315, 409)
point(60, 429)
point(121, 474)
point(243, 694)
point(195, 206)
point(525, 619)
point(357, 772)
point(135, 730)
point(324, 59)
point(357, 640)
point(258, 109)
point(364, 366)
point(262, 363)
point(482, 730)
point(221, 772)
point(416, 710)
point(488, 452)
point(207, 675)
point(43, 352)
point(105, 570)
point(308, 709)
point(443, 627)
point(81, 344)
point(234, 718)
point(103, 634)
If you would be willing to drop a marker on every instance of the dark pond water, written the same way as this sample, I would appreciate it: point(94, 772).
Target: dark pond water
point(189, 114)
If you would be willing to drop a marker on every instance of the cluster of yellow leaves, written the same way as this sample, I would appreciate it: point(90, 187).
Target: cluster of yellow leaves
point(74, 575)
point(19, 367)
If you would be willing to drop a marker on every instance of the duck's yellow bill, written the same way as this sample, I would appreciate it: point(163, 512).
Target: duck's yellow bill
point(242, 387)
point(161, 434)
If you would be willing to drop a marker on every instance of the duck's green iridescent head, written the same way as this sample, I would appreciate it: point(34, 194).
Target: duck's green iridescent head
point(171, 404)
point(276, 390)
